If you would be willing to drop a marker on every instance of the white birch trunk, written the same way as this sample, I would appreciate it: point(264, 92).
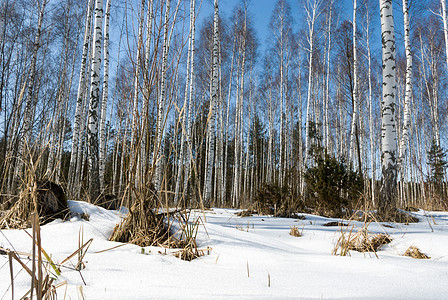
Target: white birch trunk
point(189, 154)
point(249, 123)
point(408, 94)
point(388, 128)
point(158, 156)
point(135, 136)
point(311, 19)
point(184, 115)
point(103, 151)
point(79, 100)
point(354, 126)
point(149, 25)
point(224, 189)
point(270, 137)
point(445, 28)
point(213, 103)
point(281, 131)
point(30, 105)
point(370, 101)
point(327, 87)
point(93, 116)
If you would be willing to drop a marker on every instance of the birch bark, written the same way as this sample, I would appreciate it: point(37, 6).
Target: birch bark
point(30, 101)
point(370, 101)
point(312, 14)
point(92, 128)
point(388, 128)
point(213, 103)
point(103, 153)
point(161, 103)
point(79, 100)
point(135, 136)
point(184, 113)
point(408, 94)
point(354, 138)
point(445, 27)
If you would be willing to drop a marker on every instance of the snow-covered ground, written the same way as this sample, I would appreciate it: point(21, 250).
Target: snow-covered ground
point(252, 257)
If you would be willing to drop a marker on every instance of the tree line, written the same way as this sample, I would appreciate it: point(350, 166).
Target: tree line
point(201, 111)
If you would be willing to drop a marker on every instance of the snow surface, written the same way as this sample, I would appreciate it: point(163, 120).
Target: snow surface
point(247, 252)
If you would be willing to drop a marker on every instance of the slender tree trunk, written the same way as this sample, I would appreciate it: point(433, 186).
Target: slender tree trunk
point(445, 27)
point(158, 153)
point(311, 11)
point(226, 135)
point(144, 148)
point(408, 95)
point(281, 90)
point(103, 153)
point(388, 128)
point(213, 103)
point(188, 125)
point(249, 123)
point(354, 136)
point(92, 128)
point(370, 100)
point(184, 114)
point(79, 100)
point(30, 103)
point(327, 87)
point(136, 135)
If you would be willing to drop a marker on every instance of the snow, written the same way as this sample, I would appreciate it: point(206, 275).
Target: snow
point(247, 253)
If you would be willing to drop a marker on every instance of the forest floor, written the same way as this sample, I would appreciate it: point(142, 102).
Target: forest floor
point(251, 257)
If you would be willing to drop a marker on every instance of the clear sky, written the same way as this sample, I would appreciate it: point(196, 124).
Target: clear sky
point(261, 11)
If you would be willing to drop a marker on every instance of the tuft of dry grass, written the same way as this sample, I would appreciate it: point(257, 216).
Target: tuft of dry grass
point(361, 240)
point(294, 231)
point(415, 252)
point(143, 225)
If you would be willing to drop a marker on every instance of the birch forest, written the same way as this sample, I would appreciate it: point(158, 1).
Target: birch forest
point(332, 105)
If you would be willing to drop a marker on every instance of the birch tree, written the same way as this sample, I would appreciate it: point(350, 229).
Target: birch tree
point(103, 151)
point(30, 101)
point(312, 8)
point(161, 102)
point(445, 27)
point(388, 128)
point(213, 103)
point(93, 116)
point(79, 99)
point(354, 136)
point(135, 145)
point(408, 89)
point(185, 113)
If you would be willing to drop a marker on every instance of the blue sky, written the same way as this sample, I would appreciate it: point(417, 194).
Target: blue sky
point(261, 11)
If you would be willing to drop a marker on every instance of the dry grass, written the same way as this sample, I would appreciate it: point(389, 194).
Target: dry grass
point(415, 252)
point(188, 235)
point(185, 238)
point(45, 198)
point(41, 279)
point(190, 253)
point(294, 231)
point(142, 226)
point(361, 240)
